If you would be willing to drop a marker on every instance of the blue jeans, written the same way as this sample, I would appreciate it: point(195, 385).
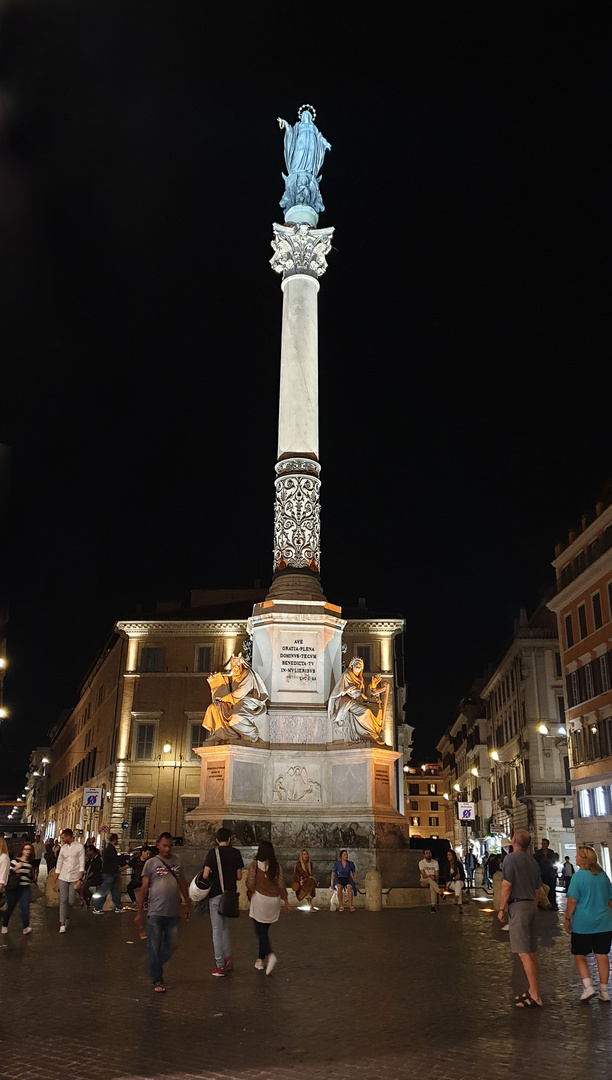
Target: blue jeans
point(110, 884)
point(162, 934)
point(19, 895)
point(220, 932)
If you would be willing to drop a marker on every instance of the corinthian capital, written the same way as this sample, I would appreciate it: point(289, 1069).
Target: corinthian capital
point(299, 249)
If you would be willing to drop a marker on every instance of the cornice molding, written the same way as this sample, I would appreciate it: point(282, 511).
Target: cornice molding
point(584, 581)
point(183, 628)
point(374, 626)
point(585, 538)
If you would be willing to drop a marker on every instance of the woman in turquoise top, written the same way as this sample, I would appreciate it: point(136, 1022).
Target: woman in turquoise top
point(588, 917)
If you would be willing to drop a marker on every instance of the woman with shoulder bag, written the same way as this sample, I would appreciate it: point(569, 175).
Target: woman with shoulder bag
point(21, 876)
point(265, 889)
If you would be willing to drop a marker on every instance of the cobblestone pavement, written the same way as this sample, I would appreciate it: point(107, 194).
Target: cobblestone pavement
point(395, 994)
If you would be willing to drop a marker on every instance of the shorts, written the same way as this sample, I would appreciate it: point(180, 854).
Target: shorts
point(583, 944)
point(522, 916)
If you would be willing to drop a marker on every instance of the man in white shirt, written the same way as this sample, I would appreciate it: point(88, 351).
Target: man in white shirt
point(69, 868)
point(429, 870)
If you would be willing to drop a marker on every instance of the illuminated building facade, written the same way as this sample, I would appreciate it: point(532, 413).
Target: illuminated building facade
point(526, 736)
point(424, 803)
point(583, 605)
point(466, 773)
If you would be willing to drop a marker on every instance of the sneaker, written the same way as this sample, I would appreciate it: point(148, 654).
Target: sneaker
point(259, 964)
point(587, 993)
point(271, 964)
point(229, 963)
point(506, 928)
point(218, 973)
point(27, 930)
point(122, 909)
point(604, 993)
point(5, 930)
point(97, 912)
point(62, 929)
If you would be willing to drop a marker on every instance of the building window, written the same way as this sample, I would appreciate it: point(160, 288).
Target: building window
point(588, 682)
point(433, 789)
point(414, 805)
point(604, 673)
point(415, 821)
point(433, 806)
point(137, 822)
point(433, 821)
point(569, 631)
point(582, 623)
point(413, 789)
point(597, 617)
point(561, 710)
point(204, 655)
point(198, 736)
point(600, 801)
point(558, 671)
point(151, 658)
point(145, 738)
point(584, 803)
point(610, 598)
point(364, 652)
point(575, 696)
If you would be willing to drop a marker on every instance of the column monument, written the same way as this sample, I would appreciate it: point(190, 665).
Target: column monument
point(300, 751)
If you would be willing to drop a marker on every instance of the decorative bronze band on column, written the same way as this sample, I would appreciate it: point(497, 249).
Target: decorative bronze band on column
point(297, 528)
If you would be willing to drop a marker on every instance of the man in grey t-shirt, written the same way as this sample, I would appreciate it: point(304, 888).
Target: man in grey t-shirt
point(520, 890)
point(163, 883)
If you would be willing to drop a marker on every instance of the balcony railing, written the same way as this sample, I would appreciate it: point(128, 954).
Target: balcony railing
point(543, 789)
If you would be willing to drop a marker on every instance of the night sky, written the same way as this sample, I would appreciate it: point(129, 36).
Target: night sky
point(463, 364)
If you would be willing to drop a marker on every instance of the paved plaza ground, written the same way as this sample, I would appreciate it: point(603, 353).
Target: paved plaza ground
point(400, 993)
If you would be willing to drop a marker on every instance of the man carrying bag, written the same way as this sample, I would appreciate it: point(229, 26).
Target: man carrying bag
point(223, 866)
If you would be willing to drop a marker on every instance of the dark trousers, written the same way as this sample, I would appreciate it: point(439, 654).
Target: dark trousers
point(19, 895)
point(162, 935)
point(263, 938)
point(132, 888)
point(110, 884)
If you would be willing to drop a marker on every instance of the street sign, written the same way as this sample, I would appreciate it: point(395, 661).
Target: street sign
point(104, 828)
point(92, 796)
point(125, 825)
point(465, 811)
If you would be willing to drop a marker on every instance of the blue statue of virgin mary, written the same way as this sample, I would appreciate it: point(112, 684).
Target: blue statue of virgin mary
point(304, 152)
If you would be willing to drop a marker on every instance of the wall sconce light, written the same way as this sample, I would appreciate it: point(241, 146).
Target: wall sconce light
point(474, 772)
point(446, 796)
point(495, 755)
point(3, 713)
point(45, 761)
point(561, 731)
point(456, 787)
point(543, 729)
point(166, 748)
point(406, 768)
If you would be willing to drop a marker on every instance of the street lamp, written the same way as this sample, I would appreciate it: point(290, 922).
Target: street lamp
point(543, 729)
point(494, 755)
point(456, 787)
point(474, 772)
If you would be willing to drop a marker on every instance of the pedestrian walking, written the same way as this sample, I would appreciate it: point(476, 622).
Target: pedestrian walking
point(456, 878)
point(546, 859)
point(429, 869)
point(588, 918)
point(20, 878)
point(50, 857)
point(163, 885)
point(304, 883)
point(265, 890)
point(39, 851)
point(137, 866)
point(70, 868)
point(111, 869)
point(228, 860)
point(568, 872)
point(343, 877)
point(5, 866)
point(520, 890)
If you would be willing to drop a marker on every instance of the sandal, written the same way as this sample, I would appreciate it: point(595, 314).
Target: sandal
point(159, 988)
point(525, 1001)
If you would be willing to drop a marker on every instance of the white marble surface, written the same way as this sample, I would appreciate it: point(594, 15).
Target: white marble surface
point(298, 416)
point(301, 728)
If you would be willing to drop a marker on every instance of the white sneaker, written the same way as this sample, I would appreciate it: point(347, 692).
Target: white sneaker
point(5, 929)
point(271, 964)
point(604, 993)
point(587, 993)
point(506, 928)
point(63, 929)
point(259, 964)
point(96, 912)
point(28, 930)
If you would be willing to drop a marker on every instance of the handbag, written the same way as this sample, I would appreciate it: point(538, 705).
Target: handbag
point(229, 905)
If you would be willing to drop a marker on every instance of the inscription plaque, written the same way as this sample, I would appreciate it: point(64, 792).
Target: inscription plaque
point(382, 788)
point(297, 660)
point(215, 783)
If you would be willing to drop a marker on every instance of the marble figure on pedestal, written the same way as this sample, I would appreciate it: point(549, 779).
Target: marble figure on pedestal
point(349, 709)
point(237, 698)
